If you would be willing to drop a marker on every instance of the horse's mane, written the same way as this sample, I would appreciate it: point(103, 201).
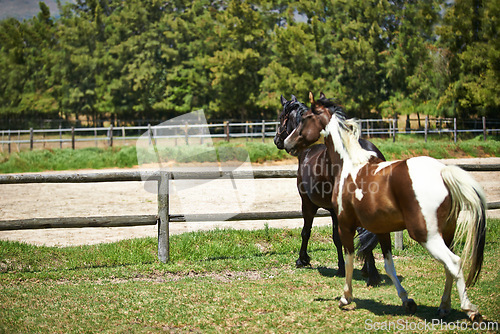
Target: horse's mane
point(297, 106)
point(348, 133)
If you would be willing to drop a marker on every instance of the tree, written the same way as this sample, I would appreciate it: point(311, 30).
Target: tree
point(470, 35)
point(414, 67)
point(80, 57)
point(241, 36)
point(154, 59)
point(25, 64)
point(300, 52)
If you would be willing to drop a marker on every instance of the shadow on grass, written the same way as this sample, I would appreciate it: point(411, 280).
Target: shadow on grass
point(357, 275)
point(424, 312)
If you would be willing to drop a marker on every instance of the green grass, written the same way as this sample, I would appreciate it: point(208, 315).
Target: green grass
point(223, 280)
point(65, 159)
point(126, 156)
point(440, 148)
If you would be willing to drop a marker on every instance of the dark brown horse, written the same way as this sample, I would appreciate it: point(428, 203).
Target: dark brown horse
point(315, 185)
point(419, 194)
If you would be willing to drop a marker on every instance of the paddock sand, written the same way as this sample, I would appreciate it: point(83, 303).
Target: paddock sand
point(24, 201)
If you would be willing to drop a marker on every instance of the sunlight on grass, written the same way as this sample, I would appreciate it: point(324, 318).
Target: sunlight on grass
point(221, 280)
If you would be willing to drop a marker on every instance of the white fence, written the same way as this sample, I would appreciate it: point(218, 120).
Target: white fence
point(108, 136)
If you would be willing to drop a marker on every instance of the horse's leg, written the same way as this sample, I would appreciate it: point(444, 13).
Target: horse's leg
point(338, 244)
point(385, 244)
point(438, 249)
point(347, 238)
point(308, 211)
point(374, 278)
point(445, 307)
point(367, 242)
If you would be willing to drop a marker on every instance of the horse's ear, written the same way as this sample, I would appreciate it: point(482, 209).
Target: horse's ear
point(283, 100)
point(322, 96)
point(311, 97)
point(294, 99)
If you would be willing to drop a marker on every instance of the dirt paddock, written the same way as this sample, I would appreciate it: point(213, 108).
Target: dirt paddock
point(22, 201)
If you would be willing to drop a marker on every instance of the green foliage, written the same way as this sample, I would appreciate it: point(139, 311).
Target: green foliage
point(64, 159)
point(126, 156)
point(407, 146)
point(470, 35)
point(260, 152)
point(111, 59)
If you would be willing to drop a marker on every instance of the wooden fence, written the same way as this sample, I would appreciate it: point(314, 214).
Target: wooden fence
point(163, 218)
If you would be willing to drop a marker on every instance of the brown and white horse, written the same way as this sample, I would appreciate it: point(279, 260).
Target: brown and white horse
point(419, 194)
point(315, 184)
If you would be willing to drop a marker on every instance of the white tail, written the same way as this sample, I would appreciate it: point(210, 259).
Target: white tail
point(467, 197)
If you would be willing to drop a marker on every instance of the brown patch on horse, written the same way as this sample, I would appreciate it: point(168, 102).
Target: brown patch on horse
point(372, 200)
point(446, 224)
point(391, 205)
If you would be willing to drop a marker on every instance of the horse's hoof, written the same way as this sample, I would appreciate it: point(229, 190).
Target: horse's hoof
point(476, 317)
point(344, 302)
point(410, 306)
point(442, 313)
point(302, 263)
point(374, 280)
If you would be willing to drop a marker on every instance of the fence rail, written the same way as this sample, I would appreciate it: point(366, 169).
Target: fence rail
point(163, 218)
point(227, 130)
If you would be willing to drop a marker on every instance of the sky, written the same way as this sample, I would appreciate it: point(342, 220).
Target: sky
point(24, 9)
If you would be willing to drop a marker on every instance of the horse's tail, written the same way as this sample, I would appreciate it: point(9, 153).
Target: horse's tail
point(467, 196)
point(367, 241)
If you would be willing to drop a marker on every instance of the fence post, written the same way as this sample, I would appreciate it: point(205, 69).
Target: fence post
point(484, 128)
point(202, 133)
point(426, 127)
point(246, 131)
point(394, 125)
point(398, 240)
point(73, 137)
point(9, 144)
point(455, 129)
point(163, 218)
point(111, 135)
point(263, 130)
point(31, 139)
point(60, 136)
point(226, 130)
point(150, 135)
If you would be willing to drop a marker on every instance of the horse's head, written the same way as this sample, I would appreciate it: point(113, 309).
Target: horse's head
point(310, 127)
point(289, 119)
